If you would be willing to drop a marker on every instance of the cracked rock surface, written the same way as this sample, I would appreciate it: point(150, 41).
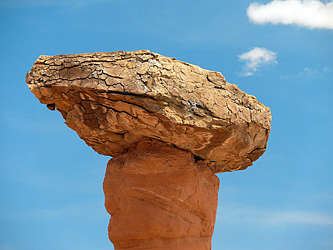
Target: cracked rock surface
point(115, 100)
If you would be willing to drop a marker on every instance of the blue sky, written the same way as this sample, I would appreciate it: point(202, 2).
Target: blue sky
point(279, 51)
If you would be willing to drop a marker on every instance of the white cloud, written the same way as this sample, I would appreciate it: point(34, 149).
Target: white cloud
point(255, 58)
point(304, 13)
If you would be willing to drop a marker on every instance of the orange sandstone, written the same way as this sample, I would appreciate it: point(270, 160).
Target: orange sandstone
point(160, 198)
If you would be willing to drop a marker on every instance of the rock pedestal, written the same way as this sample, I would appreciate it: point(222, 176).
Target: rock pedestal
point(160, 198)
point(169, 126)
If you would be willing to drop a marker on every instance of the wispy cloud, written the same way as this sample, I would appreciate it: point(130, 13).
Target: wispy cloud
point(305, 13)
point(236, 214)
point(256, 58)
point(307, 71)
point(327, 70)
point(298, 217)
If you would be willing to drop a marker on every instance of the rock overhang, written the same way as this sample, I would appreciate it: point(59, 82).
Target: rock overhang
point(114, 100)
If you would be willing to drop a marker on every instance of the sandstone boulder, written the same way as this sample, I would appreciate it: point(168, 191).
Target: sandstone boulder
point(113, 100)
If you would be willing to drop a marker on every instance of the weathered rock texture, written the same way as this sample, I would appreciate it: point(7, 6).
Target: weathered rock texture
point(161, 190)
point(169, 125)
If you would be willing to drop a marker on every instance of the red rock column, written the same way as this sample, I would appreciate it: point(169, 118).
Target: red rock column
point(159, 198)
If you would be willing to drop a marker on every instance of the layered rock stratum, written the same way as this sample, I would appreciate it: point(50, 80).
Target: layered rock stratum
point(169, 126)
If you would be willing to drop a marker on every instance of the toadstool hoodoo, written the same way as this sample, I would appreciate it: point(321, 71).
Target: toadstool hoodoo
point(169, 126)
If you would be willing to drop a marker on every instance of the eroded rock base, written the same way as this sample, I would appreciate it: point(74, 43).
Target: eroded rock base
point(160, 198)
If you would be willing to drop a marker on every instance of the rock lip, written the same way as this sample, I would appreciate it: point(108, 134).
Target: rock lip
point(114, 100)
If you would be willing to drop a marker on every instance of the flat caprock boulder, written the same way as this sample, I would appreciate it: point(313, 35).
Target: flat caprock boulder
point(113, 100)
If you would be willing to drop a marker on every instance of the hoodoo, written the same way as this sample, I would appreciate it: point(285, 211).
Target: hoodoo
point(169, 126)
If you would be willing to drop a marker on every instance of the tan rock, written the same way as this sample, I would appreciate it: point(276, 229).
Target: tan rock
point(171, 100)
point(168, 125)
